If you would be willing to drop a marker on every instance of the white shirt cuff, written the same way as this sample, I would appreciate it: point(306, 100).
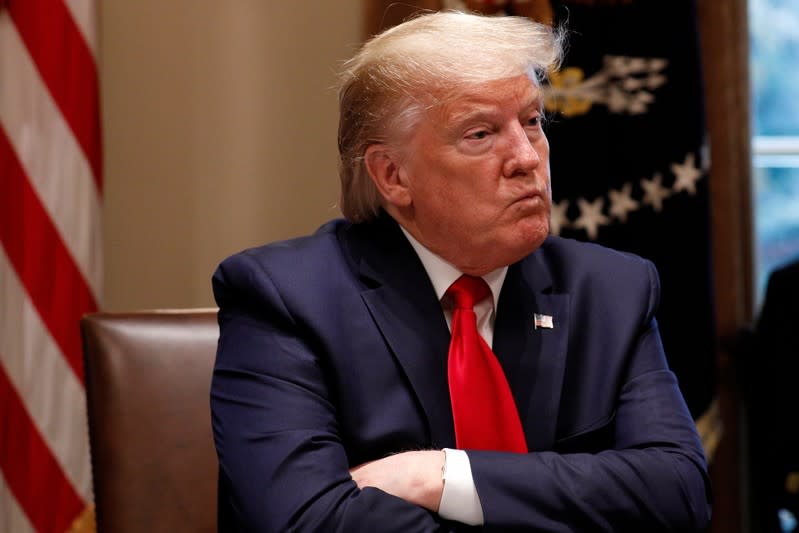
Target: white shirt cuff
point(459, 500)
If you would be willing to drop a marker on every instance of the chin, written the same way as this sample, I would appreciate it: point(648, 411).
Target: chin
point(534, 231)
point(522, 245)
point(532, 244)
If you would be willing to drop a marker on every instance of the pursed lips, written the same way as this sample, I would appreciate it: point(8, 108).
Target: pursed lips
point(528, 195)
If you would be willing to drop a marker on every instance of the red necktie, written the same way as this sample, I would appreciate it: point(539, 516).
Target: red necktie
point(483, 409)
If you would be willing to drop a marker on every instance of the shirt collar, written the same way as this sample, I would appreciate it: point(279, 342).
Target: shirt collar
point(442, 273)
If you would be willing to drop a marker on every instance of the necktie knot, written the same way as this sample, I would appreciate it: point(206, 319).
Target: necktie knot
point(467, 291)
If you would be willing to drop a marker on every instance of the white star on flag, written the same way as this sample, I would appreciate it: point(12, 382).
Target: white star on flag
point(591, 216)
point(686, 175)
point(558, 218)
point(621, 202)
point(654, 192)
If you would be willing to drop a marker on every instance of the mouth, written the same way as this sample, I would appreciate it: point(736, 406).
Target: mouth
point(531, 198)
point(530, 204)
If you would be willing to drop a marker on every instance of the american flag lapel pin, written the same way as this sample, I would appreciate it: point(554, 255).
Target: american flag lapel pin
point(541, 321)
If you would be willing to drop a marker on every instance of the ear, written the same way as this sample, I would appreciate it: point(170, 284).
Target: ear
point(383, 165)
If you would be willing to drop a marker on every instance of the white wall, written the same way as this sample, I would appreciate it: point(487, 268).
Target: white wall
point(219, 123)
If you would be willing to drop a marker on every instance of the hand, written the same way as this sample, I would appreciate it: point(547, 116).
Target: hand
point(413, 476)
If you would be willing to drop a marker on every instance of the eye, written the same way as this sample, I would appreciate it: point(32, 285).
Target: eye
point(477, 135)
point(534, 121)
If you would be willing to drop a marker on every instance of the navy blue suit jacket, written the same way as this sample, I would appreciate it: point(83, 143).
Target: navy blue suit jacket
point(333, 352)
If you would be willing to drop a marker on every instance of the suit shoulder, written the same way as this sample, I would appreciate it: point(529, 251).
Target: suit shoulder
point(785, 276)
point(294, 258)
point(782, 289)
point(293, 249)
point(596, 273)
point(576, 264)
point(592, 257)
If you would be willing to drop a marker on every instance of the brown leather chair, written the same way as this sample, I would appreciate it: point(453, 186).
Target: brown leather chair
point(148, 378)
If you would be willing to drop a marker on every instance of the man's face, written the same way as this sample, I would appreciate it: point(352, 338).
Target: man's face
point(477, 169)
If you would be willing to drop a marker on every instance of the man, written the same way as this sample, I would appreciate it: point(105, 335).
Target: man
point(774, 436)
point(341, 402)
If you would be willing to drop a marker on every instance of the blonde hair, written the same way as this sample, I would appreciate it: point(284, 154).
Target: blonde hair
point(406, 69)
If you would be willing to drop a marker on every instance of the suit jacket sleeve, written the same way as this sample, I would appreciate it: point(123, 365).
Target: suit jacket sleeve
point(275, 425)
point(651, 476)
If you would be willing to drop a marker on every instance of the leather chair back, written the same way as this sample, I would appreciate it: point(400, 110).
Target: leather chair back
point(148, 378)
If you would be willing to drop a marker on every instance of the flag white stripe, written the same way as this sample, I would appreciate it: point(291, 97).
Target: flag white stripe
point(51, 157)
point(83, 13)
point(51, 393)
point(12, 519)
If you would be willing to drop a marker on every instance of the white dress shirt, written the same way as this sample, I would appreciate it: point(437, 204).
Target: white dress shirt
point(459, 500)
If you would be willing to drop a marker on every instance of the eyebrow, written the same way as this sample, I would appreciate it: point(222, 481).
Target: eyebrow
point(472, 114)
point(481, 112)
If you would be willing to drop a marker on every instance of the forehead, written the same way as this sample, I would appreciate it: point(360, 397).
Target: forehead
point(512, 95)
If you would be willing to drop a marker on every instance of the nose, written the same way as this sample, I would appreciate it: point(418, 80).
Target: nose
point(521, 155)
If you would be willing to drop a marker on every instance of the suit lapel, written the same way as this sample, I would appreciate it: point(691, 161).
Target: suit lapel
point(403, 304)
point(533, 359)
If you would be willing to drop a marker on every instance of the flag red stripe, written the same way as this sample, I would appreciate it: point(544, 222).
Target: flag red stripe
point(67, 67)
point(42, 261)
point(31, 472)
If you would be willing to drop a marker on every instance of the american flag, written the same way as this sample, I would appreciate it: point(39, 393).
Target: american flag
point(50, 259)
point(543, 321)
